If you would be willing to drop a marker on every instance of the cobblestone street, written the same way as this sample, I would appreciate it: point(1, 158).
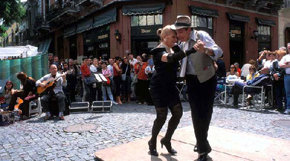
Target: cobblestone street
point(36, 139)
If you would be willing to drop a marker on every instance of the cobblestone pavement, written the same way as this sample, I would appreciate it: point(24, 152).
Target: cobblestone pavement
point(36, 139)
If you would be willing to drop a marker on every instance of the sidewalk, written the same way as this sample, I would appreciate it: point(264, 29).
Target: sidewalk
point(227, 145)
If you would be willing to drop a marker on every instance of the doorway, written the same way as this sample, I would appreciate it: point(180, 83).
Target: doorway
point(236, 42)
point(140, 46)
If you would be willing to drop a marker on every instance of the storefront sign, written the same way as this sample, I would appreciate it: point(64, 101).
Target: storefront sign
point(103, 36)
point(144, 31)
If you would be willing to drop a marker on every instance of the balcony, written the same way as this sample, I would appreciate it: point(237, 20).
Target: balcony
point(89, 3)
point(40, 25)
point(61, 12)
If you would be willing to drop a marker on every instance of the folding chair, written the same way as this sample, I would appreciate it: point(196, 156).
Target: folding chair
point(102, 106)
point(35, 107)
point(256, 91)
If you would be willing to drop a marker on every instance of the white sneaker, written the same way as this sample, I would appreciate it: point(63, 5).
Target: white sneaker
point(287, 112)
point(115, 103)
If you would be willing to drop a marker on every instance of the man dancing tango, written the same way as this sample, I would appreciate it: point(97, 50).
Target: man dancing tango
point(199, 71)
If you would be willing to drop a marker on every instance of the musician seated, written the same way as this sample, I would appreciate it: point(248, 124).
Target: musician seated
point(59, 80)
point(26, 93)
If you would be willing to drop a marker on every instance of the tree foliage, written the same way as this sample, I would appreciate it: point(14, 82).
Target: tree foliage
point(11, 11)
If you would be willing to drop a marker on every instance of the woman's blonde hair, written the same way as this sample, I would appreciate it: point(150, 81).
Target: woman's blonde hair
point(162, 32)
point(280, 52)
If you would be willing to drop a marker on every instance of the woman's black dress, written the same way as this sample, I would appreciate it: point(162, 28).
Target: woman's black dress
point(163, 87)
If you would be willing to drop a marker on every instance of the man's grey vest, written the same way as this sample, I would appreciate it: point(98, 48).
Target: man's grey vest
point(202, 63)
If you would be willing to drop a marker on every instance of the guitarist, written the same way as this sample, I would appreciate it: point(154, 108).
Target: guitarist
point(56, 90)
point(26, 93)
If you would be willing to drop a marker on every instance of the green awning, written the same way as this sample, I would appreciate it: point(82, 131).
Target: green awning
point(144, 9)
point(203, 11)
point(237, 17)
point(105, 18)
point(265, 22)
point(69, 31)
point(84, 25)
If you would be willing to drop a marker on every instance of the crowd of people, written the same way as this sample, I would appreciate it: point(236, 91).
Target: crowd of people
point(271, 68)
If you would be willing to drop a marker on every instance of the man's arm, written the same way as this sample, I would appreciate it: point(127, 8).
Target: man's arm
point(209, 46)
point(39, 82)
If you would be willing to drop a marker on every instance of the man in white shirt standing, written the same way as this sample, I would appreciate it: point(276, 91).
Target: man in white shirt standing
point(199, 71)
point(60, 81)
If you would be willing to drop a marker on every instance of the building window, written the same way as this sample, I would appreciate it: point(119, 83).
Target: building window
point(146, 20)
point(202, 23)
point(264, 38)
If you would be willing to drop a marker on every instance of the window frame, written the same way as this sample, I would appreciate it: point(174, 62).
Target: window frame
point(137, 17)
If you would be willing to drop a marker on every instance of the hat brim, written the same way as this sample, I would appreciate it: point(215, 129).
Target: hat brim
point(174, 27)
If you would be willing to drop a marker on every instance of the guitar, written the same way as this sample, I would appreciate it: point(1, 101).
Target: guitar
point(19, 101)
point(50, 83)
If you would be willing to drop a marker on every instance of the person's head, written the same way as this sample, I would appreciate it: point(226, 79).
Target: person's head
point(270, 55)
point(183, 27)
point(71, 62)
point(288, 47)
point(130, 56)
point(237, 65)
point(280, 54)
point(283, 48)
point(55, 59)
point(65, 65)
point(111, 61)
point(53, 69)
point(104, 64)
point(90, 60)
point(125, 60)
point(50, 56)
point(139, 58)
point(252, 62)
point(233, 68)
point(144, 57)
point(95, 62)
point(117, 59)
point(8, 85)
point(167, 36)
point(86, 61)
point(22, 77)
point(252, 69)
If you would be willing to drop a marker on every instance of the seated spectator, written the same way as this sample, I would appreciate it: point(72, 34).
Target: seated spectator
point(238, 68)
point(254, 80)
point(8, 91)
point(245, 69)
point(27, 93)
point(232, 75)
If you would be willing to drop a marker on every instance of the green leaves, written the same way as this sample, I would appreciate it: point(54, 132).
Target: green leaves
point(11, 11)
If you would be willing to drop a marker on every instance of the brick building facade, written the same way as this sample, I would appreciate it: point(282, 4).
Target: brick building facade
point(112, 28)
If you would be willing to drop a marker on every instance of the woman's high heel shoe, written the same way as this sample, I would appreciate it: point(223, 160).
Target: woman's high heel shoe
point(152, 149)
point(167, 144)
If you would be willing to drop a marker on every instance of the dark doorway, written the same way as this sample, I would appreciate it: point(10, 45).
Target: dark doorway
point(143, 46)
point(60, 51)
point(73, 47)
point(287, 35)
point(236, 42)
